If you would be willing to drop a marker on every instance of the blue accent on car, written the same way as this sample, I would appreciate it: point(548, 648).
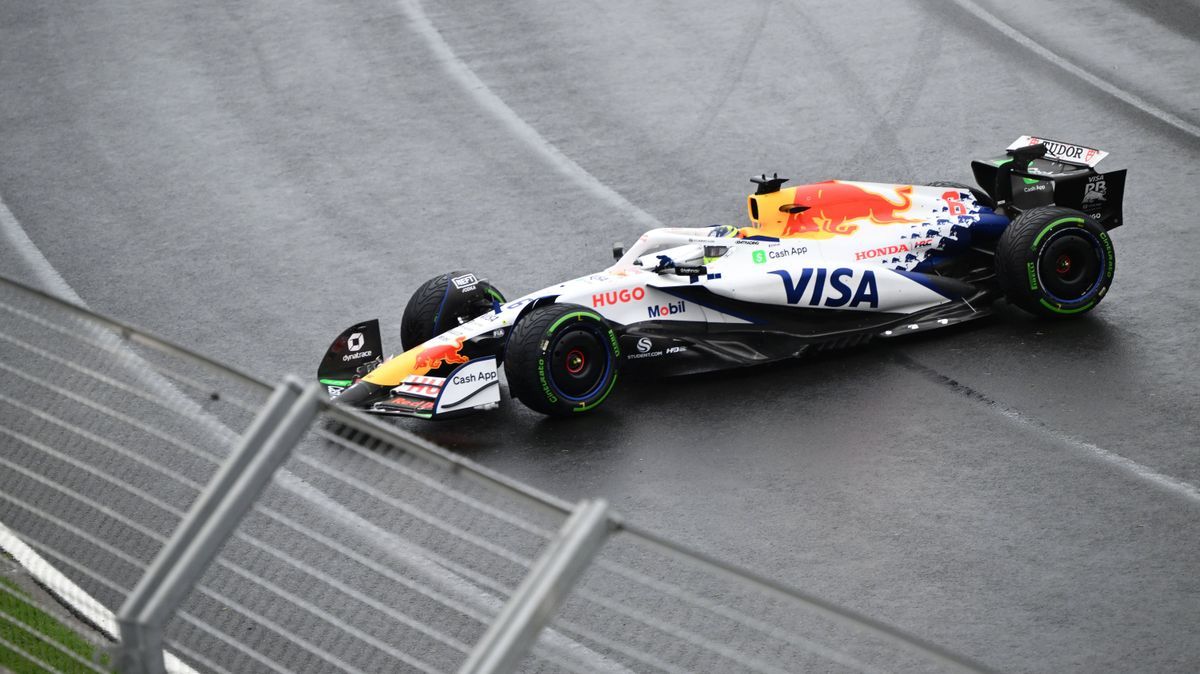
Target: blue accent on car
point(927, 281)
point(706, 305)
point(990, 223)
point(437, 316)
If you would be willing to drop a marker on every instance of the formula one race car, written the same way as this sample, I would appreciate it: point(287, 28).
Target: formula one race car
point(820, 266)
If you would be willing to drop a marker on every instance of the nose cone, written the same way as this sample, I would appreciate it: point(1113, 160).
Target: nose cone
point(361, 394)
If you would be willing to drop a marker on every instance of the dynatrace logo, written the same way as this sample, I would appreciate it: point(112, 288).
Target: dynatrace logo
point(811, 286)
point(668, 309)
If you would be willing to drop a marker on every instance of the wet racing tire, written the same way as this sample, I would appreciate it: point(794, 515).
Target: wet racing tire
point(439, 305)
point(1054, 261)
point(562, 359)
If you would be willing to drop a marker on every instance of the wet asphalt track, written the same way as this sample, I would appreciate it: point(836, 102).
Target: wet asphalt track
point(247, 180)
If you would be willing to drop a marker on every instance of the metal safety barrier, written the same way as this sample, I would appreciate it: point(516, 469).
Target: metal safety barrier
point(240, 527)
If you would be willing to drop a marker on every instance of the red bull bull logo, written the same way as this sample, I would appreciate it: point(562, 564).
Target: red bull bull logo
point(433, 357)
point(838, 208)
point(834, 208)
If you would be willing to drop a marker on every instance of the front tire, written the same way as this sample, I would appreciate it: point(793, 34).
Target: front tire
point(562, 359)
point(430, 312)
point(1054, 261)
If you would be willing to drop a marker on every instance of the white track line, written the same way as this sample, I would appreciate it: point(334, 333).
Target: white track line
point(73, 595)
point(493, 104)
point(70, 593)
point(1170, 484)
point(391, 545)
point(51, 280)
point(1101, 84)
point(1166, 482)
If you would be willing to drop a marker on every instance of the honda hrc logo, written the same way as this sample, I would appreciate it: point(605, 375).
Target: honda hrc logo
point(812, 285)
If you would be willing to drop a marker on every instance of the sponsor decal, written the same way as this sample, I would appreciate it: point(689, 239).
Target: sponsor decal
point(668, 309)
point(1035, 187)
point(1096, 190)
point(481, 377)
point(545, 384)
point(334, 390)
point(621, 296)
point(356, 341)
point(422, 390)
point(357, 356)
point(414, 405)
point(465, 282)
point(435, 356)
point(670, 350)
point(759, 257)
point(648, 354)
point(1108, 251)
point(1060, 150)
point(1065, 151)
point(644, 345)
point(1032, 271)
point(884, 251)
point(812, 283)
point(780, 253)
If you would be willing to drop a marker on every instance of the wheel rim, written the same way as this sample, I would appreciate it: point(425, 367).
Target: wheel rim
point(1077, 262)
point(578, 362)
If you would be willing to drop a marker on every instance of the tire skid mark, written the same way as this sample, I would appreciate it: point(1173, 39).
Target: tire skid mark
point(884, 134)
point(1165, 482)
point(494, 105)
point(733, 73)
point(1092, 79)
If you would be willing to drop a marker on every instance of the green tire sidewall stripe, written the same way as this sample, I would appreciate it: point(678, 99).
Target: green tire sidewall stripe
point(1047, 228)
point(611, 384)
point(1106, 251)
point(574, 314)
point(1059, 310)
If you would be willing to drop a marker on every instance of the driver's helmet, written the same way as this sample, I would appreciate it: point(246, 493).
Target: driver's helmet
point(723, 231)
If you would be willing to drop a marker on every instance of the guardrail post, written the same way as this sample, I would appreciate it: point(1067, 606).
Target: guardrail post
point(226, 499)
point(541, 592)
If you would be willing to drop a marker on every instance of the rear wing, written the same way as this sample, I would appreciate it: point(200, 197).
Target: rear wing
point(1040, 172)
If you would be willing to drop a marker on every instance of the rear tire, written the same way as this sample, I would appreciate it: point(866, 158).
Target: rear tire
point(562, 359)
point(425, 316)
point(1054, 261)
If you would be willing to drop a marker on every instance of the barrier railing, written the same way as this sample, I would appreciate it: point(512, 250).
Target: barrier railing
point(243, 527)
